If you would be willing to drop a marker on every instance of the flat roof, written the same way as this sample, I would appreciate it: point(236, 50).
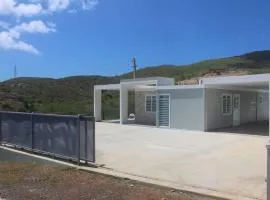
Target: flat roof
point(145, 87)
point(242, 80)
point(107, 87)
point(179, 87)
point(258, 81)
point(157, 78)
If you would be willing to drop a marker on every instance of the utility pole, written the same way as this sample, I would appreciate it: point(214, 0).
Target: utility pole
point(134, 65)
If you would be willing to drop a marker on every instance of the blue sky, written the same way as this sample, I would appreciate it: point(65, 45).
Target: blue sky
point(58, 38)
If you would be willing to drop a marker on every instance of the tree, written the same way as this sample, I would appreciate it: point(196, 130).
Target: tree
point(6, 106)
point(181, 76)
point(29, 106)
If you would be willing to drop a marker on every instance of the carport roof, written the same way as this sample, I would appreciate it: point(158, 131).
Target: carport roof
point(259, 81)
point(146, 87)
point(107, 87)
point(157, 78)
point(138, 83)
point(237, 80)
point(118, 87)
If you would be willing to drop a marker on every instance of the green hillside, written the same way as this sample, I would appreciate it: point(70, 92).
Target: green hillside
point(254, 63)
point(73, 95)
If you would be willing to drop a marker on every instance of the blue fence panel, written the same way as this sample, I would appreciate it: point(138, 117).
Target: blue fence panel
point(16, 129)
point(64, 136)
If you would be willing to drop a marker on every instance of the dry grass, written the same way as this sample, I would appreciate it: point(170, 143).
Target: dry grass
point(30, 181)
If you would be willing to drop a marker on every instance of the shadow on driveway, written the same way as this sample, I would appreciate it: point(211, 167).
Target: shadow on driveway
point(11, 156)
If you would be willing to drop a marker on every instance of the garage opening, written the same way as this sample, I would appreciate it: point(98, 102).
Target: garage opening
point(126, 103)
point(110, 106)
point(241, 109)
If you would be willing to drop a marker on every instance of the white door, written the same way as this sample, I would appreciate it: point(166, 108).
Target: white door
point(164, 110)
point(263, 107)
point(236, 109)
point(260, 108)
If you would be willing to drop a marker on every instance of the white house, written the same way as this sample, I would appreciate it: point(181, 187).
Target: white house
point(211, 104)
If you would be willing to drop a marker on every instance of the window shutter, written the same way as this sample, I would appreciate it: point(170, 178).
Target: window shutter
point(148, 104)
point(153, 103)
point(226, 104)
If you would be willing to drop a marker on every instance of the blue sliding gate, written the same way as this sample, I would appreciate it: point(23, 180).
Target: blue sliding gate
point(62, 136)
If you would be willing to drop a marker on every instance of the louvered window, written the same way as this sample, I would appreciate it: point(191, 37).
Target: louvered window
point(150, 103)
point(226, 104)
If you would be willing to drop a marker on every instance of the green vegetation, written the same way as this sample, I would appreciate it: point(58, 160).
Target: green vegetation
point(74, 95)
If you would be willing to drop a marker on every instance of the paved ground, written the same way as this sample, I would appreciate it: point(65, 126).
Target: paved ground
point(251, 128)
point(209, 162)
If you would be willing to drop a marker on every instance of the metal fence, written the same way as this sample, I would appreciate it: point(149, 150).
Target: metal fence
point(62, 136)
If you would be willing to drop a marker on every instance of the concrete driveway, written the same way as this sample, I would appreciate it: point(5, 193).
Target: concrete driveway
point(227, 165)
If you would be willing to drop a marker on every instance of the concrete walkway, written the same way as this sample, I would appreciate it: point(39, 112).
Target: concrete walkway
point(227, 165)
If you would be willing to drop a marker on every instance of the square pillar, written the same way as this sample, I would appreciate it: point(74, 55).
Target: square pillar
point(97, 104)
point(268, 171)
point(123, 104)
point(157, 109)
point(268, 156)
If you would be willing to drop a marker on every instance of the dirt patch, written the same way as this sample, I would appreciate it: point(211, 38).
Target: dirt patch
point(214, 73)
point(32, 181)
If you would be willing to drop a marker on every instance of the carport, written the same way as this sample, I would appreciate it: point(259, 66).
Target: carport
point(140, 86)
point(237, 104)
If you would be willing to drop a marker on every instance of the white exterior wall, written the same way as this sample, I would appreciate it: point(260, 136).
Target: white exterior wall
point(187, 108)
point(123, 104)
point(213, 105)
point(142, 116)
point(97, 104)
point(263, 107)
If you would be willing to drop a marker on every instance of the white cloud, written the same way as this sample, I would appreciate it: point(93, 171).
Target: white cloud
point(89, 4)
point(35, 1)
point(9, 43)
point(12, 7)
point(51, 24)
point(32, 27)
point(34, 7)
point(28, 9)
point(58, 5)
point(4, 25)
point(72, 11)
point(11, 39)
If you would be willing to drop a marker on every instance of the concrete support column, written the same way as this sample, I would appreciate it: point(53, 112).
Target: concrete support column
point(97, 104)
point(123, 104)
point(268, 171)
point(157, 109)
point(268, 158)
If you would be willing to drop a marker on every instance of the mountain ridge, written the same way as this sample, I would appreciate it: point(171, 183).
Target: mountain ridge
point(74, 94)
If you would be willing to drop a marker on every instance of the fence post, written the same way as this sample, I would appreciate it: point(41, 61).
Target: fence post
point(1, 137)
point(268, 171)
point(86, 139)
point(32, 131)
point(94, 138)
point(79, 138)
